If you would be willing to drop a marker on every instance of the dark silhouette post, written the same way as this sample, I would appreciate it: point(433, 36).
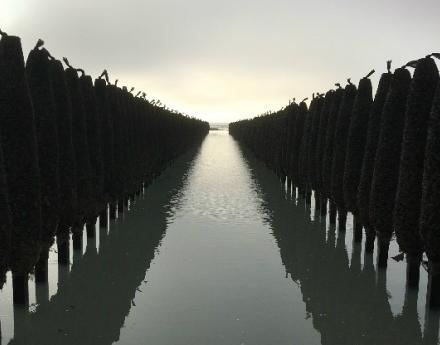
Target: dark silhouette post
point(5, 225)
point(327, 155)
point(374, 127)
point(42, 292)
point(413, 270)
point(430, 218)
point(103, 217)
point(357, 230)
point(339, 152)
point(332, 213)
point(107, 151)
point(312, 168)
point(409, 188)
point(63, 275)
point(38, 68)
point(19, 145)
point(295, 154)
point(113, 211)
point(117, 186)
point(77, 241)
point(120, 207)
point(94, 141)
point(386, 168)
point(20, 287)
point(67, 165)
point(321, 121)
point(91, 230)
point(357, 137)
point(80, 142)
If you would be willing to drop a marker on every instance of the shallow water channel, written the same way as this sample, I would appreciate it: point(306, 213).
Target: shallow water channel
point(217, 252)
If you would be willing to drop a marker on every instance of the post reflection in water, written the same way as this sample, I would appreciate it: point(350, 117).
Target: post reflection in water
point(94, 299)
point(237, 260)
point(348, 301)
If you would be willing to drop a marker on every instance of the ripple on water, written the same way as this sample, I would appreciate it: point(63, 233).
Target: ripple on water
point(220, 188)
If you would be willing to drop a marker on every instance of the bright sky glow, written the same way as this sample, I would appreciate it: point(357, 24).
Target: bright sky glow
point(226, 60)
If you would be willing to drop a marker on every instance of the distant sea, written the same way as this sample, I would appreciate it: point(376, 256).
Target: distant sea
point(219, 126)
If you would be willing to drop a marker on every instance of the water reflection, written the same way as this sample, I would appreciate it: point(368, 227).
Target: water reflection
point(94, 299)
point(348, 301)
point(233, 236)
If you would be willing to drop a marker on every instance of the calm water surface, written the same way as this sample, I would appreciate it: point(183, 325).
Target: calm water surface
point(216, 252)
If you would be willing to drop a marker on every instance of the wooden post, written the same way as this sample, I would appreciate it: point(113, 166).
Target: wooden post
point(77, 238)
point(42, 292)
point(20, 289)
point(103, 217)
point(120, 207)
point(342, 220)
point(91, 228)
point(413, 270)
point(370, 237)
point(333, 212)
point(383, 245)
point(113, 211)
point(41, 267)
point(63, 248)
point(357, 230)
point(433, 293)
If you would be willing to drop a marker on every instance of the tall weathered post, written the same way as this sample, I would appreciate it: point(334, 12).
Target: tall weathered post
point(409, 188)
point(320, 148)
point(296, 150)
point(5, 225)
point(19, 143)
point(103, 105)
point(386, 167)
point(312, 168)
point(327, 156)
point(40, 83)
point(67, 166)
point(357, 137)
point(374, 126)
point(93, 130)
point(83, 166)
point(429, 217)
point(339, 151)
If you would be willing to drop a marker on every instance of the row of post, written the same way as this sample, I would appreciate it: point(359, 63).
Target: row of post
point(71, 147)
point(374, 157)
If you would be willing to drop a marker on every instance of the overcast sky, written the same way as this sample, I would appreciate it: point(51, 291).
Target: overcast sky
point(225, 60)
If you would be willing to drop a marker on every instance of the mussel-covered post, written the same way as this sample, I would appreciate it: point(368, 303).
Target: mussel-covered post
point(296, 150)
point(38, 68)
point(320, 147)
point(19, 143)
point(430, 215)
point(409, 188)
point(93, 130)
point(374, 126)
point(303, 164)
point(292, 111)
point(339, 152)
point(5, 226)
point(312, 169)
point(386, 167)
point(357, 137)
point(67, 161)
point(83, 166)
point(103, 108)
point(327, 154)
point(115, 185)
